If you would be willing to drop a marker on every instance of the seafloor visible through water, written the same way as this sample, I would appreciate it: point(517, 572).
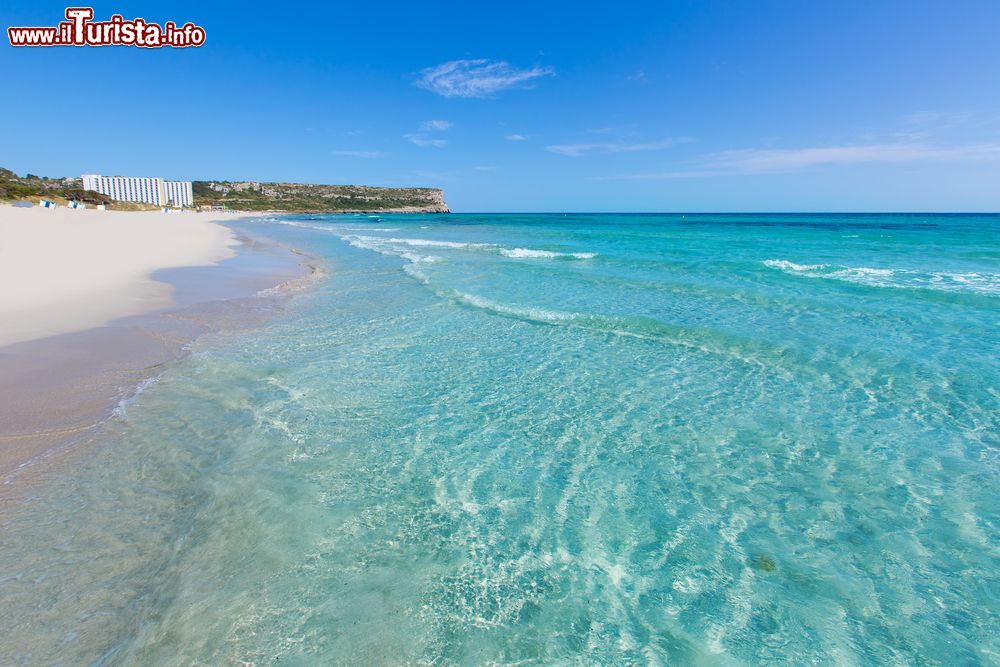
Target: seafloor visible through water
point(544, 439)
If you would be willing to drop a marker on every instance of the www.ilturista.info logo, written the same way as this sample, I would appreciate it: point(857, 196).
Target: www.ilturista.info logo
point(80, 30)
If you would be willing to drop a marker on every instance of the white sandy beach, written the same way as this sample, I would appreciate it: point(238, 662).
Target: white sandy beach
point(68, 270)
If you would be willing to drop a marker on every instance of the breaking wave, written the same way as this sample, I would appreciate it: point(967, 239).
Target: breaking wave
point(528, 253)
point(976, 283)
point(785, 265)
point(392, 245)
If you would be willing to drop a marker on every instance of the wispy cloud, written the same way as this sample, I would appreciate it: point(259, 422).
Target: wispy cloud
point(424, 141)
point(938, 120)
point(637, 77)
point(516, 137)
point(578, 150)
point(432, 125)
point(761, 161)
point(619, 130)
point(476, 78)
point(423, 137)
point(757, 160)
point(365, 154)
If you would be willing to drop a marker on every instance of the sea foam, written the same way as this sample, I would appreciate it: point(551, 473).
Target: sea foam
point(899, 278)
point(528, 253)
point(398, 246)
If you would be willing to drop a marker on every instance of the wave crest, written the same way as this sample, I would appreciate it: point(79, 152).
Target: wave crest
point(975, 283)
point(528, 253)
point(397, 246)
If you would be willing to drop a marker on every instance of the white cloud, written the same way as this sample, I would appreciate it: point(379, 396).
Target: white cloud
point(424, 141)
point(476, 78)
point(516, 137)
point(432, 125)
point(365, 154)
point(619, 130)
point(758, 161)
point(578, 150)
point(423, 137)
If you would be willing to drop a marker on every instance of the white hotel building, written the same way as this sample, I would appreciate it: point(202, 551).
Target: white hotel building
point(154, 191)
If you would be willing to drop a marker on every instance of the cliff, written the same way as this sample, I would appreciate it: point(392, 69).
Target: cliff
point(305, 198)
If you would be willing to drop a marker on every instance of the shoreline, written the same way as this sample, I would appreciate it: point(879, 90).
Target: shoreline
point(59, 390)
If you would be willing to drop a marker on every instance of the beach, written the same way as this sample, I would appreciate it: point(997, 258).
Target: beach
point(95, 302)
point(69, 270)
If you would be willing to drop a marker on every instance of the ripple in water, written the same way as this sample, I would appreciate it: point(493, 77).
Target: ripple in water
point(684, 451)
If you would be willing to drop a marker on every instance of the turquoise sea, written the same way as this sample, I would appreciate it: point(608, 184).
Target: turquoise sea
point(552, 439)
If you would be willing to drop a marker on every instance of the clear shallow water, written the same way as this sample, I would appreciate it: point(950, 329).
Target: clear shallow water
point(536, 439)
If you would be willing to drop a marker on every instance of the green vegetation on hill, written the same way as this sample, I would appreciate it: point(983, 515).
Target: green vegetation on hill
point(31, 187)
point(298, 197)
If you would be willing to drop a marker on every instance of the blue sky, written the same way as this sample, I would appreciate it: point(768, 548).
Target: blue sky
point(661, 106)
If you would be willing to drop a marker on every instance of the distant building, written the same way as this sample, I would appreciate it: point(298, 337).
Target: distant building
point(179, 193)
point(154, 191)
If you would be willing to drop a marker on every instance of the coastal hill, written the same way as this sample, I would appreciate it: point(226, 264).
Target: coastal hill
point(298, 197)
point(243, 196)
point(14, 188)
